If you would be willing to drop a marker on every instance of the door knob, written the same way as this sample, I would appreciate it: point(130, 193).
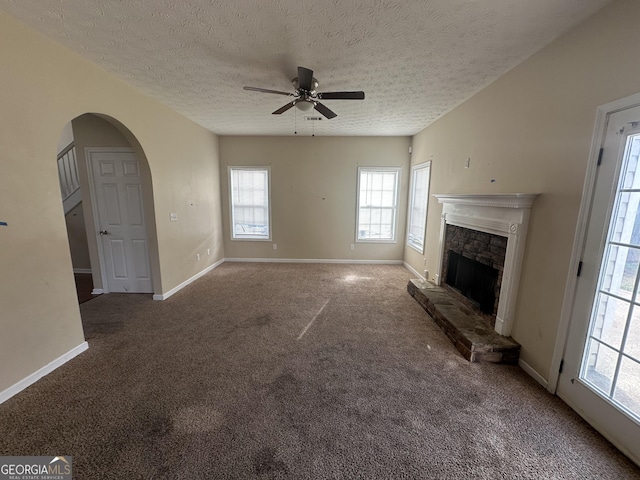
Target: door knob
point(103, 232)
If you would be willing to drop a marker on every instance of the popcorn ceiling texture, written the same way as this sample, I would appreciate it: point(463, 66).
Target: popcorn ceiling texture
point(415, 59)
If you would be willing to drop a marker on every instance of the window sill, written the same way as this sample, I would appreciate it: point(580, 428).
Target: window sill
point(377, 241)
point(250, 239)
point(419, 250)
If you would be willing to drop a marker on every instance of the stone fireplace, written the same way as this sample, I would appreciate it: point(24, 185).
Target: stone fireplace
point(484, 235)
point(473, 265)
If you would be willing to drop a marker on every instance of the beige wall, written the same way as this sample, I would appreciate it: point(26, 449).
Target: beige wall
point(530, 131)
point(66, 137)
point(313, 194)
point(40, 319)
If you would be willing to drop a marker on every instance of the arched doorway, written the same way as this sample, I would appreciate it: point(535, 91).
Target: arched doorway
point(115, 198)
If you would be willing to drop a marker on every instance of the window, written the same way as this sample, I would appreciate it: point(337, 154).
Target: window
point(249, 189)
point(418, 202)
point(377, 204)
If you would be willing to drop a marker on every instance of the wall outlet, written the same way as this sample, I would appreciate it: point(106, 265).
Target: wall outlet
point(197, 257)
point(275, 246)
point(208, 251)
point(353, 246)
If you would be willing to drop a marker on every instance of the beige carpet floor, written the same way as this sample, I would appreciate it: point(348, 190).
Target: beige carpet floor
point(293, 371)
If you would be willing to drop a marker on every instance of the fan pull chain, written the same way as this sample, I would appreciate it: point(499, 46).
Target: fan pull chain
point(295, 121)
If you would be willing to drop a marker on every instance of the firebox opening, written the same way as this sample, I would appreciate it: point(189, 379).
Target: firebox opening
point(474, 280)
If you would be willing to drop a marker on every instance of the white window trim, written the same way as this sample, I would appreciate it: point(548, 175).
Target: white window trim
point(414, 170)
point(231, 220)
point(398, 172)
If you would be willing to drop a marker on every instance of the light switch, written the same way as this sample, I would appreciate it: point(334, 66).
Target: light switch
point(173, 217)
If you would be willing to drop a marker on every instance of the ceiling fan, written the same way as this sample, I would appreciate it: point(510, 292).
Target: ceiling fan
point(306, 95)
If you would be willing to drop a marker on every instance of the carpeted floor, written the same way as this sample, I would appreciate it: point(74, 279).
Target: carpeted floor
point(293, 371)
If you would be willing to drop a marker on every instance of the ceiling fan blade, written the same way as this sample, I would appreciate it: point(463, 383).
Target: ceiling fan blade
point(265, 90)
point(324, 110)
point(341, 95)
point(284, 108)
point(305, 78)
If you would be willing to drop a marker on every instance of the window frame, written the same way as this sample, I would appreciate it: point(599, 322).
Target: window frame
point(394, 224)
point(231, 205)
point(410, 207)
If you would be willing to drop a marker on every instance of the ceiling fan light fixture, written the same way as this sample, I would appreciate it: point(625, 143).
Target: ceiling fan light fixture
point(305, 105)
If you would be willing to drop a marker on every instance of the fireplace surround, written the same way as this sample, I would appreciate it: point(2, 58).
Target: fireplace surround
point(505, 215)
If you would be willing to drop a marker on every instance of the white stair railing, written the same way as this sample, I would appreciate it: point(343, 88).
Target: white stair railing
point(69, 179)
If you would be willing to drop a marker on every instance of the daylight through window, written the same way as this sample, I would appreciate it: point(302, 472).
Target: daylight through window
point(250, 203)
point(418, 203)
point(377, 204)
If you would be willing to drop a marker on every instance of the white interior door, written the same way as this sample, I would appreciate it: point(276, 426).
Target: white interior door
point(600, 378)
point(121, 221)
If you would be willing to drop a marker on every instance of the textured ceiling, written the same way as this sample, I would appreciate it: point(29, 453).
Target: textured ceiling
point(415, 59)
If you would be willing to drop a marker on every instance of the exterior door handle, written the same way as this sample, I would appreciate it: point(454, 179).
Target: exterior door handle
point(103, 232)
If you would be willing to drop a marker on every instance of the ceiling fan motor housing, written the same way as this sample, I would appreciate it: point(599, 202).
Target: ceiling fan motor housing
point(314, 85)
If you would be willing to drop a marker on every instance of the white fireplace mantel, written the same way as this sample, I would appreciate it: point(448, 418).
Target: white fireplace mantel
point(506, 215)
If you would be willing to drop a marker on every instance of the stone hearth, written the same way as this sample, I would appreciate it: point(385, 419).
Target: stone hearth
point(471, 334)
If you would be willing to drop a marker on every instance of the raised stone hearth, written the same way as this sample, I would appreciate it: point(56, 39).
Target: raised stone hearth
point(471, 334)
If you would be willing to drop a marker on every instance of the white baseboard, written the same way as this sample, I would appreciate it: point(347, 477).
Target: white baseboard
point(314, 260)
point(166, 295)
point(97, 291)
point(414, 271)
point(81, 270)
point(536, 376)
point(35, 376)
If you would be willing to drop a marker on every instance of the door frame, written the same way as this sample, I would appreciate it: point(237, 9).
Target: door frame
point(599, 132)
point(94, 208)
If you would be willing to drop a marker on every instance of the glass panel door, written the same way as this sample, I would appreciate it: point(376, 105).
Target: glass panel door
point(611, 360)
point(600, 377)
